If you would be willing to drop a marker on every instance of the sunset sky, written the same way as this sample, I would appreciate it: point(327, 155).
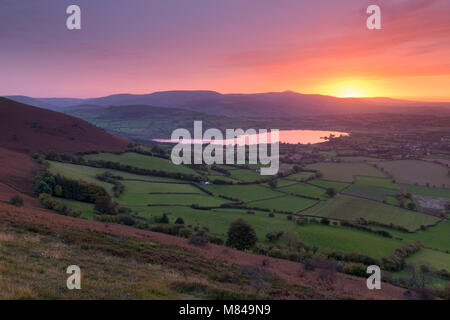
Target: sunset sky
point(142, 46)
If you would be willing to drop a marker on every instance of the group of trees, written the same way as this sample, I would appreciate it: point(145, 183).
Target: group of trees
point(118, 188)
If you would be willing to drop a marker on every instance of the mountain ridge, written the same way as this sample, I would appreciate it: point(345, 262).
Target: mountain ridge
point(259, 105)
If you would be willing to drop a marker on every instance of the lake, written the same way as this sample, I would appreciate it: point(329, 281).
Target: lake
point(285, 136)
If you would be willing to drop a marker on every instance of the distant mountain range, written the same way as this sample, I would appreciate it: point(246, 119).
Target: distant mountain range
point(261, 105)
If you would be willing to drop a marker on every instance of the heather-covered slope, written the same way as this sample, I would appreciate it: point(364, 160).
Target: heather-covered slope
point(28, 129)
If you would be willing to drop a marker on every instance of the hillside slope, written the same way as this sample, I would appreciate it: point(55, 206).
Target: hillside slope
point(26, 129)
point(158, 265)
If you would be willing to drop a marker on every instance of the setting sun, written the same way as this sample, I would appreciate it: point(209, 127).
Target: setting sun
point(347, 89)
point(349, 92)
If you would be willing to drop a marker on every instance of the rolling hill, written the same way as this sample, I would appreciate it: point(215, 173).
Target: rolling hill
point(27, 129)
point(261, 105)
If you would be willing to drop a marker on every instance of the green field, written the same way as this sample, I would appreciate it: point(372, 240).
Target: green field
point(246, 193)
point(301, 176)
point(351, 208)
point(246, 175)
point(84, 173)
point(142, 161)
point(139, 200)
point(435, 259)
point(345, 171)
point(373, 193)
point(285, 203)
point(149, 196)
point(376, 182)
point(86, 208)
point(305, 190)
point(338, 186)
point(330, 237)
point(219, 220)
point(430, 192)
point(436, 237)
point(283, 183)
point(416, 171)
point(142, 187)
point(347, 240)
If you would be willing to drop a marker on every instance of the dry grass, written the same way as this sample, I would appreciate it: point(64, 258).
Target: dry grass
point(33, 262)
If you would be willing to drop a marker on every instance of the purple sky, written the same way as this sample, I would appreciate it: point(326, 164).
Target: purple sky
point(141, 46)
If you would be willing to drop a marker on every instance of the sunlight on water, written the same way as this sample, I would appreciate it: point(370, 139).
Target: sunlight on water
point(285, 136)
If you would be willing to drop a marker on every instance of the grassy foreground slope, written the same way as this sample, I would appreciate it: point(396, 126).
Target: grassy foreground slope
point(119, 262)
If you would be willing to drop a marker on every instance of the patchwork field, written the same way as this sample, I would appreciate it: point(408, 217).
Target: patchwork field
point(351, 208)
point(416, 171)
point(150, 196)
point(345, 171)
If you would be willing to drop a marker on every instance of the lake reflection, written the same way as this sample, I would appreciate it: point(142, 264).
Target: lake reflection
point(285, 136)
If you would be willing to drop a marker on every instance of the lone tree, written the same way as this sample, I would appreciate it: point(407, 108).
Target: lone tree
point(331, 192)
point(241, 235)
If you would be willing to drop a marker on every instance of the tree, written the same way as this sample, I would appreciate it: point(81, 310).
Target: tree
point(42, 187)
point(241, 235)
point(331, 192)
point(58, 191)
point(105, 205)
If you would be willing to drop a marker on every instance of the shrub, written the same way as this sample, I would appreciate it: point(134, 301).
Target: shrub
point(273, 236)
point(16, 201)
point(179, 221)
point(356, 269)
point(105, 205)
point(198, 240)
point(185, 233)
point(162, 219)
point(241, 235)
point(126, 219)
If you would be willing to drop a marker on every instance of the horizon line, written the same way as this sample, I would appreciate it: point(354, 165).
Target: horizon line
point(406, 99)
